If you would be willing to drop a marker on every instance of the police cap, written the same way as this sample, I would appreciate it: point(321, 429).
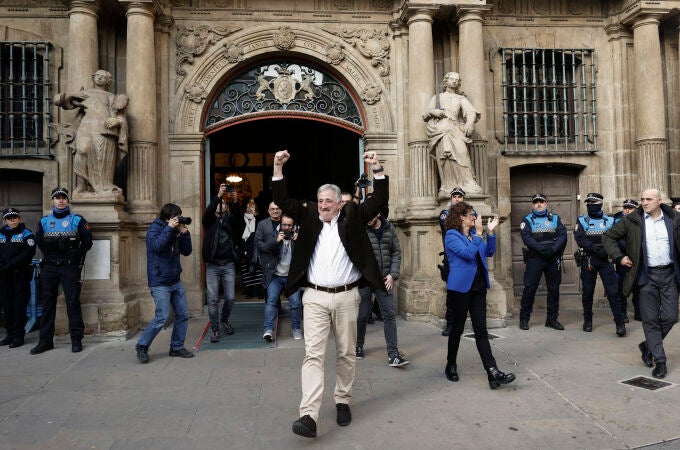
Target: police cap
point(457, 191)
point(10, 212)
point(539, 197)
point(594, 197)
point(60, 191)
point(630, 203)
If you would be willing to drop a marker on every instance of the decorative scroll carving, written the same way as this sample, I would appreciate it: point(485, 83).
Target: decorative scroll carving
point(195, 93)
point(343, 4)
point(382, 5)
point(371, 93)
point(284, 39)
point(233, 52)
point(335, 53)
point(193, 41)
point(372, 44)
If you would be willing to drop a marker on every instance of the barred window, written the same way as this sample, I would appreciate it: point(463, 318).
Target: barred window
point(24, 99)
point(549, 100)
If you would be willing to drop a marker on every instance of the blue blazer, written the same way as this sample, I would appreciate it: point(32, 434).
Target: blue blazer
point(462, 259)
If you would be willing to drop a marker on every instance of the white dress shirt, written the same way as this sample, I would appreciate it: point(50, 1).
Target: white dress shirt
point(656, 241)
point(330, 265)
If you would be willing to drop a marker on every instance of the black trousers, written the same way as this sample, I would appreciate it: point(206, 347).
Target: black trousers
point(537, 266)
point(621, 273)
point(659, 308)
point(473, 302)
point(50, 277)
point(589, 271)
point(16, 293)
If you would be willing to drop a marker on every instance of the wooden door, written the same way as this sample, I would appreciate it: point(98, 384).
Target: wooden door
point(560, 185)
point(22, 190)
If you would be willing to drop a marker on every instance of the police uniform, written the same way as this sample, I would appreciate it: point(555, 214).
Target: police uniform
point(622, 270)
point(443, 215)
point(545, 238)
point(17, 248)
point(64, 238)
point(588, 234)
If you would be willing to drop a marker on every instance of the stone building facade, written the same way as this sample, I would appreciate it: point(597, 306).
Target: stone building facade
point(575, 96)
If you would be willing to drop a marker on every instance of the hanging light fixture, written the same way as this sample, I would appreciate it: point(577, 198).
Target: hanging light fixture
point(234, 178)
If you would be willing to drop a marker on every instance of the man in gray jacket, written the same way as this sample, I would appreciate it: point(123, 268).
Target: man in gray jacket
point(652, 234)
point(383, 237)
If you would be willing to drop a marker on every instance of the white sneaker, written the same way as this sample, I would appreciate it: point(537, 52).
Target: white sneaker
point(267, 336)
point(297, 334)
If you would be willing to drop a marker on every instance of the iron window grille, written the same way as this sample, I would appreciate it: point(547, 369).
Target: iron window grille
point(25, 113)
point(549, 102)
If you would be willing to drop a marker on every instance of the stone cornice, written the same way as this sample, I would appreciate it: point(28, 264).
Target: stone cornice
point(409, 10)
point(465, 13)
point(636, 11)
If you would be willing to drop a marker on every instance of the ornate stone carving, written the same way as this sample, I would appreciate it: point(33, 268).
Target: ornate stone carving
point(450, 121)
point(195, 93)
point(284, 87)
point(372, 44)
point(335, 53)
point(98, 140)
point(343, 4)
point(382, 5)
point(233, 52)
point(548, 7)
point(224, 3)
point(371, 93)
point(284, 39)
point(193, 41)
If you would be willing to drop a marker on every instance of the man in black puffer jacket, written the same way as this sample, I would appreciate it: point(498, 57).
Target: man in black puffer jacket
point(385, 244)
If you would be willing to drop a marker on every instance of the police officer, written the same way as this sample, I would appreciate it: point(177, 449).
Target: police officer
point(629, 205)
point(545, 238)
point(17, 247)
point(588, 234)
point(64, 238)
point(457, 196)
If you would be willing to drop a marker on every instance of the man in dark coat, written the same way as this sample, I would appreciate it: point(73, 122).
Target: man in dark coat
point(333, 255)
point(652, 235)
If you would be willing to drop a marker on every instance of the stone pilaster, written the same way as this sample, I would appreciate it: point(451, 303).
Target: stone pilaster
point(420, 91)
point(141, 88)
point(650, 120)
point(83, 52)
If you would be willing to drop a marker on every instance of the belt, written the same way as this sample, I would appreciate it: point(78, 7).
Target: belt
point(667, 266)
point(334, 290)
point(62, 262)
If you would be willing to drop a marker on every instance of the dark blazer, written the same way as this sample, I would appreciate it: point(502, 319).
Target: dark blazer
point(267, 248)
point(351, 227)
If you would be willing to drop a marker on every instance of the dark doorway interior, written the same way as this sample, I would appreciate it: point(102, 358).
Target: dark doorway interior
point(320, 153)
point(22, 189)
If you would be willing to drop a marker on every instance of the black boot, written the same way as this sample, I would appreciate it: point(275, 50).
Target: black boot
point(496, 377)
point(451, 372)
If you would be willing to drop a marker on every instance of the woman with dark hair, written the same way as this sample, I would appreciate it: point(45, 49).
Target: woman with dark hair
point(467, 284)
point(166, 239)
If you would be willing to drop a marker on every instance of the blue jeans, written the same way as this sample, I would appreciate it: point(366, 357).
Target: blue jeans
point(214, 273)
point(164, 297)
point(271, 307)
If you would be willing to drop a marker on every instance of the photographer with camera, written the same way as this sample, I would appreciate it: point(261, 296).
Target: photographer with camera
point(223, 222)
point(276, 253)
point(167, 238)
point(17, 247)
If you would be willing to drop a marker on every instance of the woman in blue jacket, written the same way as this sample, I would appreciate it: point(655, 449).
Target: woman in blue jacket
point(467, 284)
point(166, 239)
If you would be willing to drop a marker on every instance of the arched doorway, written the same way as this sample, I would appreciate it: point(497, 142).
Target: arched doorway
point(284, 104)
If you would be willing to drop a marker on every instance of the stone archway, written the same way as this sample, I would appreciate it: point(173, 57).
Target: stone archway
point(207, 56)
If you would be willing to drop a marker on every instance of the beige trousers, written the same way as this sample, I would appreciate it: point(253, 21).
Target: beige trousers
point(324, 311)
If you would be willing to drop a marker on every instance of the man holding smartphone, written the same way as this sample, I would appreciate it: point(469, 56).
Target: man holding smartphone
point(276, 254)
point(223, 222)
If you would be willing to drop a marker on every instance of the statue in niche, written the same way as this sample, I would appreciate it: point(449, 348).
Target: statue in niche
point(99, 143)
point(450, 121)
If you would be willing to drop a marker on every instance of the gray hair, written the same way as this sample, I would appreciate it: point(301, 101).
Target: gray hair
point(330, 187)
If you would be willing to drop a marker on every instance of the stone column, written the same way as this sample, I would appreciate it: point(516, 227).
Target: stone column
point(140, 77)
point(83, 52)
point(650, 121)
point(420, 90)
point(472, 72)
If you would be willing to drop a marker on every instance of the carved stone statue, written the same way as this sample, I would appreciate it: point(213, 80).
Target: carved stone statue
point(100, 141)
point(450, 121)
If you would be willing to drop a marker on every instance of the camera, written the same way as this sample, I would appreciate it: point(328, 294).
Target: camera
point(231, 188)
point(363, 181)
point(183, 220)
point(288, 234)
